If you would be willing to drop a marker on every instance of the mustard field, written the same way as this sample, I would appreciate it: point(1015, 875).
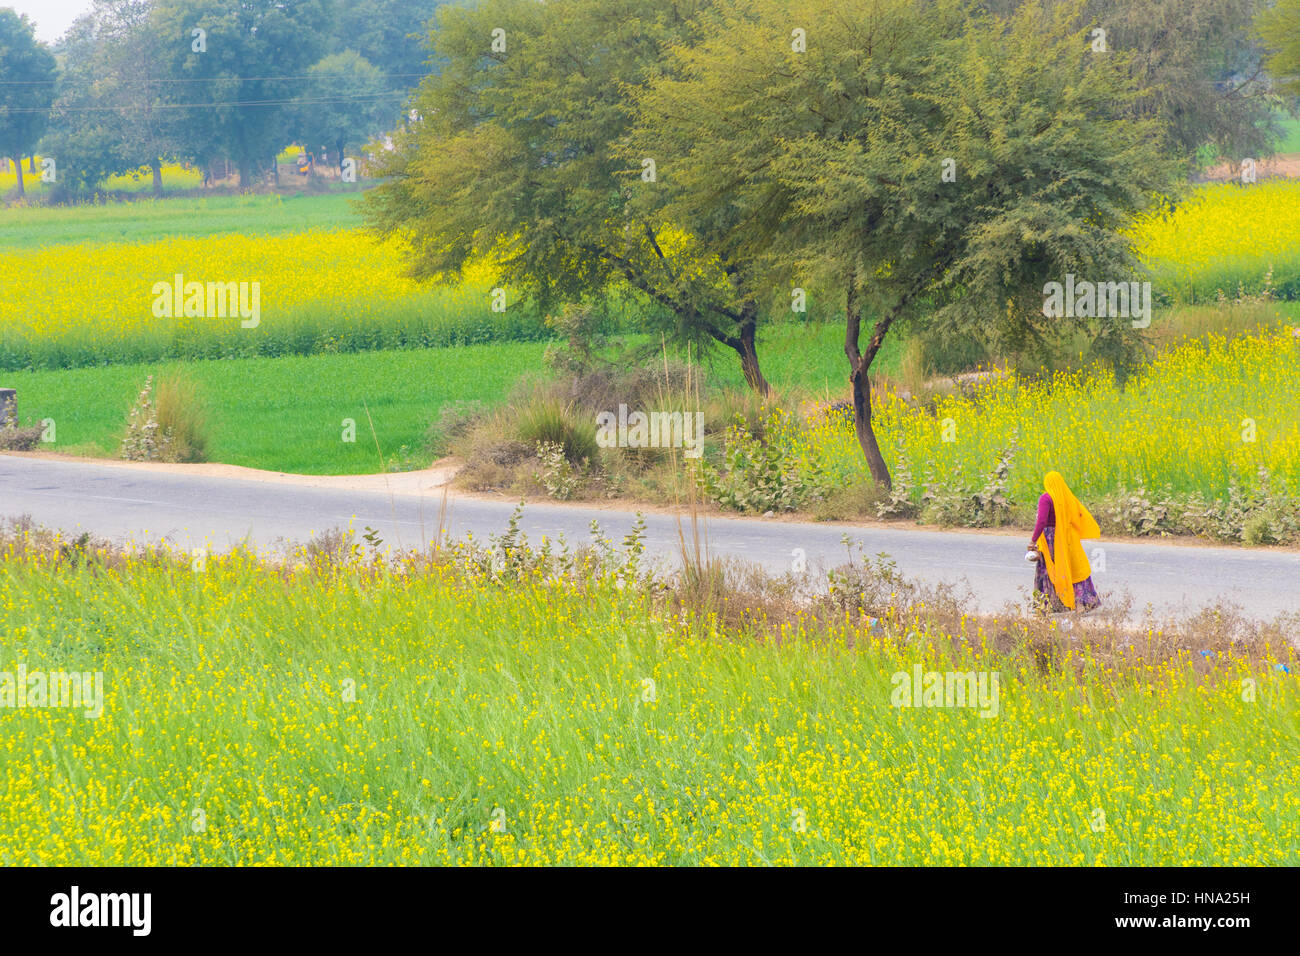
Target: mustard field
point(334, 715)
point(319, 291)
point(337, 289)
point(1223, 240)
point(1197, 418)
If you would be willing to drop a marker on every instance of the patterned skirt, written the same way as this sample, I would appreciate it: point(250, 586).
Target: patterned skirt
point(1085, 595)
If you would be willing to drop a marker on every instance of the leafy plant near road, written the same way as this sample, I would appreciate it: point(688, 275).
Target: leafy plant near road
point(167, 425)
point(762, 472)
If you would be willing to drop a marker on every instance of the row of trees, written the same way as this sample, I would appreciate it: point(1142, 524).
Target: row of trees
point(136, 83)
point(929, 161)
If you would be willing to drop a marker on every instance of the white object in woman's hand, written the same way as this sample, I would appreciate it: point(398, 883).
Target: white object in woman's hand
point(1031, 556)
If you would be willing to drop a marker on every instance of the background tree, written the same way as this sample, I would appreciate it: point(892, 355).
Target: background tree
point(345, 101)
point(518, 154)
point(112, 109)
point(1279, 29)
point(393, 35)
point(1199, 66)
point(235, 96)
point(84, 136)
point(27, 88)
point(836, 157)
point(133, 57)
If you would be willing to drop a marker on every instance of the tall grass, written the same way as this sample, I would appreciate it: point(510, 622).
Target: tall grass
point(182, 416)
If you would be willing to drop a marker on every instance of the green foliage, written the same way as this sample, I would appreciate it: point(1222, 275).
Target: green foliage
point(235, 105)
point(549, 421)
point(145, 439)
point(345, 102)
point(518, 153)
point(182, 418)
point(1279, 30)
point(830, 161)
point(27, 77)
point(111, 98)
point(1197, 66)
point(561, 478)
point(391, 34)
point(761, 473)
point(955, 503)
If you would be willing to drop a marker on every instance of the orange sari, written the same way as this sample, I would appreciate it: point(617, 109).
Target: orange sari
point(1069, 564)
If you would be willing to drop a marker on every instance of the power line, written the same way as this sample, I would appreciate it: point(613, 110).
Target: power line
point(237, 79)
point(299, 101)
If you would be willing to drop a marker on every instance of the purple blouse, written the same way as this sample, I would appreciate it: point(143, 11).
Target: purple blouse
point(1046, 516)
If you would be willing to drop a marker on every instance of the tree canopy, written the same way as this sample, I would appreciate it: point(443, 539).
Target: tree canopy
point(944, 165)
point(27, 76)
point(518, 155)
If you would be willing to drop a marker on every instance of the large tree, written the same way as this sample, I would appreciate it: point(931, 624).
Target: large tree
point(113, 105)
point(517, 154)
point(944, 165)
point(236, 81)
point(27, 77)
point(391, 34)
point(345, 102)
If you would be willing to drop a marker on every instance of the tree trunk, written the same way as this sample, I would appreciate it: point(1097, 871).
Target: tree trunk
point(245, 173)
point(747, 349)
point(275, 169)
point(862, 426)
point(155, 165)
point(31, 163)
point(18, 164)
point(859, 377)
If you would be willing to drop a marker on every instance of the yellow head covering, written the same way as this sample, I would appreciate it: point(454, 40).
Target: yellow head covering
point(1073, 522)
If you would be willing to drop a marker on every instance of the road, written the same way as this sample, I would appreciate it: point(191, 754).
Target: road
point(188, 510)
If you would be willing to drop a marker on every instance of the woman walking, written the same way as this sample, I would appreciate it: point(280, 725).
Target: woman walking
point(1062, 575)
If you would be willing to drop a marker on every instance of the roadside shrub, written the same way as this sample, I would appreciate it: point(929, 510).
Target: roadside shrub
point(898, 502)
point(1253, 515)
point(1136, 512)
point(454, 421)
point(170, 426)
point(855, 500)
point(547, 420)
point(762, 473)
point(15, 438)
point(144, 440)
point(182, 418)
point(561, 478)
point(954, 503)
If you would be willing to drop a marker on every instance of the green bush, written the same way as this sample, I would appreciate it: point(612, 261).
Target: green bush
point(544, 420)
point(762, 474)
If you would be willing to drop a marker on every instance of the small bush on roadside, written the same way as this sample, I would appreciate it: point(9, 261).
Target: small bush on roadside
point(898, 502)
point(144, 439)
point(856, 500)
point(16, 438)
point(168, 424)
point(561, 478)
point(1253, 515)
point(762, 473)
point(547, 420)
point(182, 417)
point(454, 421)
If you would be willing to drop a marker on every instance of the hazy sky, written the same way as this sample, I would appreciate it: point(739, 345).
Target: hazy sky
point(52, 17)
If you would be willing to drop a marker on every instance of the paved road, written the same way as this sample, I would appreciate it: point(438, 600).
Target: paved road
point(190, 510)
